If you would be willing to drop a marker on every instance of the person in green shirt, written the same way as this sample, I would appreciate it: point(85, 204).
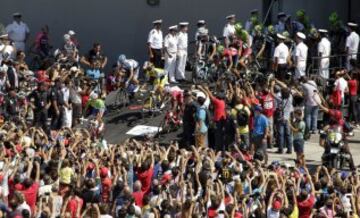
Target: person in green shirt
point(96, 106)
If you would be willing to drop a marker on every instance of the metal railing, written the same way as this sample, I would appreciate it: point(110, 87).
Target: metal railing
point(336, 62)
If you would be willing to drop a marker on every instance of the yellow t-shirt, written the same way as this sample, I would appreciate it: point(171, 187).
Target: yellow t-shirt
point(65, 175)
point(234, 111)
point(295, 212)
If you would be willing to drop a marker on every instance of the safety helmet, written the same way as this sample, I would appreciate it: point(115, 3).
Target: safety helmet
point(238, 26)
point(258, 28)
point(300, 13)
point(121, 59)
point(220, 49)
point(271, 29)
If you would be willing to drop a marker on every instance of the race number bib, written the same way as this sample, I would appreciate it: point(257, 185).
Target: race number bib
point(268, 105)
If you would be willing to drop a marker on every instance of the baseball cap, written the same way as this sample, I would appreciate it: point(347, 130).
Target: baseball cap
point(276, 205)
point(104, 171)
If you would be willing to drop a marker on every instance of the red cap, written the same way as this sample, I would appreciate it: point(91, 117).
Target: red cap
point(276, 205)
point(104, 172)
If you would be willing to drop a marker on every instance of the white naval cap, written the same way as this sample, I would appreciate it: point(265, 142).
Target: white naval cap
point(173, 27)
point(301, 35)
point(230, 16)
point(157, 21)
point(17, 14)
point(322, 31)
point(71, 32)
point(352, 24)
point(280, 36)
point(201, 22)
point(184, 23)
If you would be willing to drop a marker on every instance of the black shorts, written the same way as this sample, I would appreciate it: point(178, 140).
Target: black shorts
point(298, 145)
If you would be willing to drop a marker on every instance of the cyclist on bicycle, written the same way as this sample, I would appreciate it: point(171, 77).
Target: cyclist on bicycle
point(131, 69)
point(225, 57)
point(155, 76)
point(95, 106)
point(177, 98)
point(242, 42)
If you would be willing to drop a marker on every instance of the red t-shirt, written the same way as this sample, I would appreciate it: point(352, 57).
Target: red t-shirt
point(30, 195)
point(138, 197)
point(73, 205)
point(145, 179)
point(353, 87)
point(106, 184)
point(219, 109)
point(268, 104)
point(306, 206)
point(337, 115)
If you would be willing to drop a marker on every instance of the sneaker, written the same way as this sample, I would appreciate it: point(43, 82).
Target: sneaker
point(174, 82)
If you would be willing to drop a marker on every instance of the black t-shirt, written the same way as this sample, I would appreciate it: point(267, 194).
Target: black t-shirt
point(41, 99)
point(258, 42)
point(57, 95)
point(11, 106)
point(90, 196)
point(188, 116)
point(95, 56)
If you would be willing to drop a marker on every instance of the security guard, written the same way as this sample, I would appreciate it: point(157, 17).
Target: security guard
point(18, 32)
point(155, 44)
point(324, 51)
point(281, 54)
point(182, 49)
point(229, 29)
point(352, 44)
point(301, 52)
point(170, 50)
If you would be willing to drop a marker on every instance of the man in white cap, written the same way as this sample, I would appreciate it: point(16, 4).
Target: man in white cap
point(182, 49)
point(352, 44)
point(301, 52)
point(201, 25)
point(229, 29)
point(281, 54)
point(155, 44)
point(170, 50)
point(324, 50)
point(18, 32)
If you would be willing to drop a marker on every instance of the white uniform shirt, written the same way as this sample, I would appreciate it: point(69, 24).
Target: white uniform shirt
point(352, 43)
point(301, 55)
point(155, 39)
point(170, 43)
point(17, 31)
point(342, 85)
point(281, 52)
point(324, 47)
point(182, 41)
point(229, 30)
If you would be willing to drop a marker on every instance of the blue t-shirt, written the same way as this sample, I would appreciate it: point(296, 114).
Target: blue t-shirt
point(201, 116)
point(93, 73)
point(260, 125)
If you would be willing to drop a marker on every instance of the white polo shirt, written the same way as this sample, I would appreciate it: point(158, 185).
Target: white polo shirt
point(155, 39)
point(301, 55)
point(281, 52)
point(342, 85)
point(352, 43)
point(170, 43)
point(182, 44)
point(229, 30)
point(17, 31)
point(324, 47)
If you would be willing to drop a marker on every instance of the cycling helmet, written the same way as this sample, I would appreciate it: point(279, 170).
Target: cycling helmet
point(167, 89)
point(271, 29)
point(57, 52)
point(258, 28)
point(300, 13)
point(93, 96)
point(220, 49)
point(67, 37)
point(286, 34)
point(238, 28)
point(121, 59)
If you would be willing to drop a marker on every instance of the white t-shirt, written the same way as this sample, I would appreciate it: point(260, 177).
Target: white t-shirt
point(272, 214)
point(229, 30)
point(281, 52)
point(170, 43)
point(301, 55)
point(342, 85)
point(182, 39)
point(17, 31)
point(155, 39)
point(352, 43)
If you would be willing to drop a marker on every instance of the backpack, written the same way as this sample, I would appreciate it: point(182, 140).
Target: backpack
point(242, 117)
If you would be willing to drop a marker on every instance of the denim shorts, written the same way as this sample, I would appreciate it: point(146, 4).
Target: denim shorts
point(298, 145)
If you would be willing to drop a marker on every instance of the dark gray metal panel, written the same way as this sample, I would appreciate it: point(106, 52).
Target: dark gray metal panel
point(121, 26)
